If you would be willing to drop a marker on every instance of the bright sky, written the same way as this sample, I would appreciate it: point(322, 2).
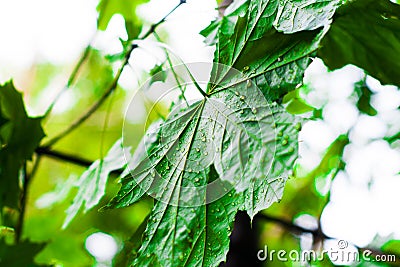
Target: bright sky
point(364, 196)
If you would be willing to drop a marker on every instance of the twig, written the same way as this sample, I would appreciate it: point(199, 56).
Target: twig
point(112, 86)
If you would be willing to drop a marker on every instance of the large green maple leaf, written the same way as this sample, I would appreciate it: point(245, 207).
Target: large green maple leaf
point(229, 151)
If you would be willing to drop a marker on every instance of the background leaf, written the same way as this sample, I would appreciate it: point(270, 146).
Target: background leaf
point(365, 33)
point(20, 135)
point(364, 99)
point(332, 161)
point(20, 255)
point(157, 74)
point(295, 104)
point(108, 8)
point(92, 183)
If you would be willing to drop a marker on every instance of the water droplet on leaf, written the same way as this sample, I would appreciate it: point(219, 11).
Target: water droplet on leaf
point(248, 83)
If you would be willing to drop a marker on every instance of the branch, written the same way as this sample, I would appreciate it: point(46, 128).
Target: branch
point(46, 151)
point(62, 156)
point(112, 86)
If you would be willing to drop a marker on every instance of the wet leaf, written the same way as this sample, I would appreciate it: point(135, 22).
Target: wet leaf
point(298, 15)
point(274, 61)
point(232, 149)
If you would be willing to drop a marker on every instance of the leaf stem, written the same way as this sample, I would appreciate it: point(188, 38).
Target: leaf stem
point(176, 77)
point(204, 94)
point(166, 48)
